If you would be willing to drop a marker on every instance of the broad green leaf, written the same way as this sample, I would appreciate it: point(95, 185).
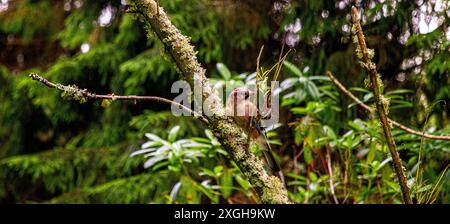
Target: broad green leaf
point(226, 183)
point(244, 183)
point(174, 191)
point(224, 71)
point(173, 133)
point(312, 90)
point(313, 176)
point(307, 154)
point(143, 151)
point(292, 68)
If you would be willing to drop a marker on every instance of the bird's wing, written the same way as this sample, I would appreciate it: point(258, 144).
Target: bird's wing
point(262, 138)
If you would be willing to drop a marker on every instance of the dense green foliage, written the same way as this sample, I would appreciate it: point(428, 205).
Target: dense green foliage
point(58, 151)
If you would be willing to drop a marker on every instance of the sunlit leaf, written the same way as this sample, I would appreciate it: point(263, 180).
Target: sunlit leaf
point(292, 68)
point(223, 70)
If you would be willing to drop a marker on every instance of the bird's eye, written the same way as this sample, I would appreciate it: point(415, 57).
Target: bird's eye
point(247, 94)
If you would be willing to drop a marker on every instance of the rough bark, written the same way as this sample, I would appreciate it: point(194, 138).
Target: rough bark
point(268, 187)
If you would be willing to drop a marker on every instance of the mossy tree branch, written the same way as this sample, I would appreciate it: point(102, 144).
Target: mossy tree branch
point(267, 186)
point(365, 55)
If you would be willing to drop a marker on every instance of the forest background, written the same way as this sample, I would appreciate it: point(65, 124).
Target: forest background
point(57, 151)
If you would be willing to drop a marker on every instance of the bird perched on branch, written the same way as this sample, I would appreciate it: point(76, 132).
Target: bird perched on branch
point(247, 116)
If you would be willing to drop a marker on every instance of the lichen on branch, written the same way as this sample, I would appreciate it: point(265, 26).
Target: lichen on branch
point(365, 56)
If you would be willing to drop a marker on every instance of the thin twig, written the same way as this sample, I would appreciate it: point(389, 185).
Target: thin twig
point(395, 123)
point(89, 95)
point(257, 75)
point(280, 58)
point(330, 173)
point(371, 69)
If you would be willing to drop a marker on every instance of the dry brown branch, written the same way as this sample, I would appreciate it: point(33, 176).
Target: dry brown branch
point(394, 123)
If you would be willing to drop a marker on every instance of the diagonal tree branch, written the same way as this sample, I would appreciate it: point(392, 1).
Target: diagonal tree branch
point(267, 186)
point(395, 123)
point(82, 95)
point(375, 81)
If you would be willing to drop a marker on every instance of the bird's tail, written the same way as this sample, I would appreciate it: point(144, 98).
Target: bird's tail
point(268, 154)
point(267, 151)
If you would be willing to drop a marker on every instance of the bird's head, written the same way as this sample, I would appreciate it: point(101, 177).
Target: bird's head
point(240, 93)
point(240, 103)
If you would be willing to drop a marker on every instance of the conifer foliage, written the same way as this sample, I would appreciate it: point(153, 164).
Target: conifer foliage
point(54, 150)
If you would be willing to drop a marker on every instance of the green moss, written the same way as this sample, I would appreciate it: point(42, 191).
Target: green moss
point(367, 82)
point(272, 195)
point(370, 53)
point(72, 92)
point(386, 102)
point(358, 51)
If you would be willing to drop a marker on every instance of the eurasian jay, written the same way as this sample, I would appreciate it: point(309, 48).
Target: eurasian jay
point(246, 115)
